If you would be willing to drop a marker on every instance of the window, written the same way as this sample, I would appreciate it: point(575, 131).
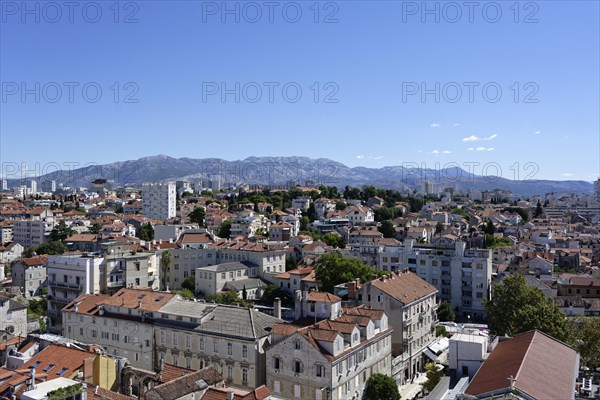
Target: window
point(162, 337)
point(61, 371)
point(201, 344)
point(175, 339)
point(319, 370)
point(48, 368)
point(223, 275)
point(245, 375)
point(125, 339)
point(229, 349)
point(276, 386)
point(215, 346)
point(297, 366)
point(229, 372)
point(297, 345)
point(245, 351)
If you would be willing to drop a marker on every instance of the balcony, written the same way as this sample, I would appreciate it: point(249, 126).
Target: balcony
point(115, 283)
point(68, 285)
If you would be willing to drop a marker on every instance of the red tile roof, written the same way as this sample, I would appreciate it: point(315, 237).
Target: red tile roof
point(542, 367)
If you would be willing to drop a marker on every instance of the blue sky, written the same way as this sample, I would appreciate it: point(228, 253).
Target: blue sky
point(371, 62)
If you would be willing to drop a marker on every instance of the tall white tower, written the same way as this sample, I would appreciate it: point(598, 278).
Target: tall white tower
point(159, 200)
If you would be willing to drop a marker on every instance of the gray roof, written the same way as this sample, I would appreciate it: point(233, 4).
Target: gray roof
point(238, 321)
point(250, 283)
point(219, 319)
point(228, 266)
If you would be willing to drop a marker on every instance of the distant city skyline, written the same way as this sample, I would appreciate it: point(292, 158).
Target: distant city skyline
point(382, 84)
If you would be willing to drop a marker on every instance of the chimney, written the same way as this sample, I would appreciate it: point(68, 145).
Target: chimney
point(230, 394)
point(32, 383)
point(373, 277)
point(277, 308)
point(351, 290)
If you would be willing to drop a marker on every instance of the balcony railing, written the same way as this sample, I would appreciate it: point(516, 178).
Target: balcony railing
point(68, 285)
point(115, 283)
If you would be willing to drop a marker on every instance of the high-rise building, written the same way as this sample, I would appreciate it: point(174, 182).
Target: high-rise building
point(4, 184)
point(597, 189)
point(159, 200)
point(48, 186)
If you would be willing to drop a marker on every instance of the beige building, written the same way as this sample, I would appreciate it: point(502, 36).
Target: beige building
point(151, 328)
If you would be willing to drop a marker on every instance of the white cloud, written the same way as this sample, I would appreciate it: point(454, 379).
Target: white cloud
point(360, 156)
point(377, 157)
point(437, 152)
point(474, 138)
point(481, 148)
point(434, 125)
point(446, 152)
point(537, 132)
point(566, 174)
point(456, 124)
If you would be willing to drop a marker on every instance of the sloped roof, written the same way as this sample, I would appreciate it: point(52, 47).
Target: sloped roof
point(542, 367)
point(185, 385)
point(406, 287)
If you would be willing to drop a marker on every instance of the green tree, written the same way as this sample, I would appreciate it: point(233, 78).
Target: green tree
point(445, 312)
point(197, 216)
point(333, 269)
point(166, 259)
point(185, 293)
point(146, 232)
point(244, 293)
point(290, 263)
point(585, 338)
point(50, 248)
point(61, 232)
point(334, 239)
point(304, 221)
point(439, 228)
point(224, 229)
point(228, 297)
point(381, 387)
point(387, 228)
point(271, 292)
point(517, 307)
point(189, 283)
point(95, 228)
point(440, 330)
point(489, 229)
point(434, 376)
point(538, 210)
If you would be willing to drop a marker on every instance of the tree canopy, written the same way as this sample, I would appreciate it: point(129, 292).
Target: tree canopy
point(445, 312)
point(381, 387)
point(224, 229)
point(61, 232)
point(333, 269)
point(585, 338)
point(146, 232)
point(197, 215)
point(387, 228)
point(516, 307)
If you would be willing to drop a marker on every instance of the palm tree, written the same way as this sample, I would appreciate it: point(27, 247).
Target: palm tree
point(165, 259)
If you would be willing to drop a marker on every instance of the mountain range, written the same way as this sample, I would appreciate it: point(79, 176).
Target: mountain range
point(280, 170)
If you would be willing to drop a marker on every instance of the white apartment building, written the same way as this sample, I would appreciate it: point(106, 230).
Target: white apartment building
point(159, 200)
point(461, 276)
point(68, 278)
point(330, 359)
point(31, 233)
